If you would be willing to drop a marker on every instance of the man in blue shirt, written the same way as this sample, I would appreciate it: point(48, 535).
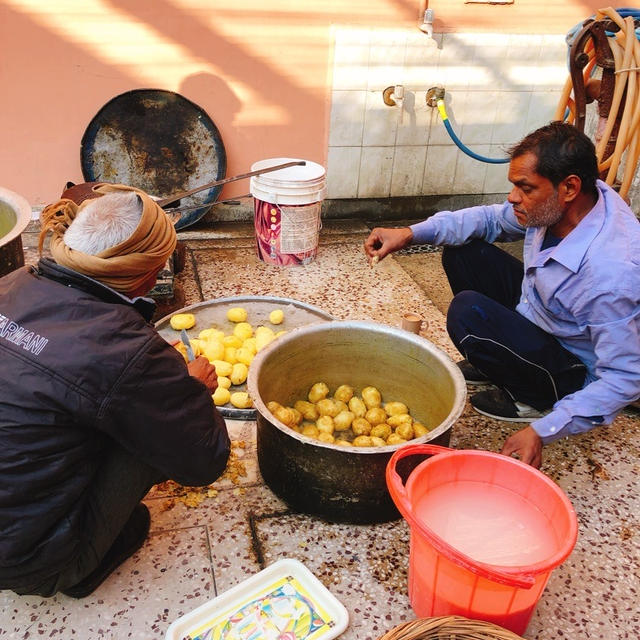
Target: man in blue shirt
point(560, 334)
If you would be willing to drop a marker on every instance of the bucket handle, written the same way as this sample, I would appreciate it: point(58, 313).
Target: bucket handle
point(399, 495)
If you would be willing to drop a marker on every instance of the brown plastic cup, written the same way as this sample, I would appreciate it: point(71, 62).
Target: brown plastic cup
point(411, 322)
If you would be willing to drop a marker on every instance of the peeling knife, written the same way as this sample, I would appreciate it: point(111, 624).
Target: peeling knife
point(185, 341)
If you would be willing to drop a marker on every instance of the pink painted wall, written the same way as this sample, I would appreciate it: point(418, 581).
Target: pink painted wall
point(261, 70)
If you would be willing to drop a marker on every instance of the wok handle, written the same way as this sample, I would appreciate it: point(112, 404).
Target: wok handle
point(401, 499)
point(177, 196)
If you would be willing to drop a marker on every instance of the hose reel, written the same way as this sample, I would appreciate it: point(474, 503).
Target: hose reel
point(604, 67)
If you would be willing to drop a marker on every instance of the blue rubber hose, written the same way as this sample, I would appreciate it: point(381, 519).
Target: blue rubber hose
point(459, 144)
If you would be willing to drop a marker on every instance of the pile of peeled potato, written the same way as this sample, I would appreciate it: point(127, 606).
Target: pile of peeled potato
point(230, 354)
point(348, 419)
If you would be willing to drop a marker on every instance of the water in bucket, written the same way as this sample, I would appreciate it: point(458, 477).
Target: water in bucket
point(488, 523)
point(287, 206)
point(486, 533)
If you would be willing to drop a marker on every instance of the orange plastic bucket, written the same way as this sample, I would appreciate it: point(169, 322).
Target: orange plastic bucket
point(486, 532)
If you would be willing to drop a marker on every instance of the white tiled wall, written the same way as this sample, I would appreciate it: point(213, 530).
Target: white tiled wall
point(498, 88)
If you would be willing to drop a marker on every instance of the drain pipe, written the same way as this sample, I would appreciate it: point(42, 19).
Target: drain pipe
point(435, 98)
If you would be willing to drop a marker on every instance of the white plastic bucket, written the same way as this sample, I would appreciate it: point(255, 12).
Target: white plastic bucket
point(287, 206)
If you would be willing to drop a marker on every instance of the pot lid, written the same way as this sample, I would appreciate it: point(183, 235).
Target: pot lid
point(157, 141)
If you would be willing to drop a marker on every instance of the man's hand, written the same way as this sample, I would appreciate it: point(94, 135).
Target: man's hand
point(527, 444)
point(205, 372)
point(382, 241)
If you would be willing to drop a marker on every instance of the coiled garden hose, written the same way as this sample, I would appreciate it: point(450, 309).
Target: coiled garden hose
point(625, 47)
point(459, 144)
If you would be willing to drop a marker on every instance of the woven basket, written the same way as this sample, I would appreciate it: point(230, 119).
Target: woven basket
point(449, 628)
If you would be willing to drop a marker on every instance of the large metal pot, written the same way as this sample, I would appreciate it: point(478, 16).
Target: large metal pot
point(15, 214)
point(347, 484)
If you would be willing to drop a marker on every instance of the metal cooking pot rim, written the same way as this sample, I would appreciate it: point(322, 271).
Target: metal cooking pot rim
point(447, 423)
point(22, 210)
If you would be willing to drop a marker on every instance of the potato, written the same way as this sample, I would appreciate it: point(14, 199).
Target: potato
point(360, 427)
point(273, 406)
point(297, 416)
point(182, 321)
point(224, 382)
point(394, 438)
point(280, 333)
point(239, 373)
point(326, 437)
point(317, 392)
point(181, 347)
point(342, 406)
point(358, 407)
point(262, 343)
point(328, 407)
point(244, 355)
point(405, 430)
point(371, 397)
point(362, 441)
point(237, 314)
point(419, 429)
point(213, 350)
point(398, 419)
point(276, 316)
point(343, 443)
point(394, 408)
point(182, 350)
point(264, 331)
point(311, 431)
point(325, 424)
point(307, 409)
point(285, 415)
point(343, 420)
point(197, 346)
point(232, 341)
point(221, 396)
point(208, 334)
point(241, 400)
point(381, 431)
point(222, 368)
point(211, 334)
point(263, 338)
point(250, 345)
point(343, 393)
point(230, 355)
point(376, 415)
point(243, 330)
point(378, 442)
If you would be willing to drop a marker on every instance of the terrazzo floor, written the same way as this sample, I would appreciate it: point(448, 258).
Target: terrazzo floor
point(194, 553)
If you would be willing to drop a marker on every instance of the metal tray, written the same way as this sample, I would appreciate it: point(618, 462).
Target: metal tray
point(213, 313)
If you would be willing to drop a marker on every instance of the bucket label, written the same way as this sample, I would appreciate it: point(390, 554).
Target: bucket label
point(285, 237)
point(299, 226)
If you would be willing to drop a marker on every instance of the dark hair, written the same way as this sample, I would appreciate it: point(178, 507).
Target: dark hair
point(561, 150)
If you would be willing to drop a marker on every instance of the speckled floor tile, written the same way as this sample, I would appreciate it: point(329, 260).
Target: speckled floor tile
point(168, 577)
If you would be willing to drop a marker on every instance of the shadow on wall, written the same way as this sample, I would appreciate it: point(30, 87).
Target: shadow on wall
point(300, 125)
point(274, 102)
point(224, 105)
point(46, 112)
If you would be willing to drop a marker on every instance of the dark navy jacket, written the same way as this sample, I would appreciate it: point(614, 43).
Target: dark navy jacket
point(82, 370)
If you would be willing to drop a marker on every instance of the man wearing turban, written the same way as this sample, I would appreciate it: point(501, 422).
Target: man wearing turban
point(95, 407)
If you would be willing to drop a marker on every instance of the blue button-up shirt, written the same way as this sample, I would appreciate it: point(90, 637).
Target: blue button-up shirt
point(585, 291)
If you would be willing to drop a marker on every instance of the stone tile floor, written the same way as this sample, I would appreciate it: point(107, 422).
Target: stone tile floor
point(194, 553)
